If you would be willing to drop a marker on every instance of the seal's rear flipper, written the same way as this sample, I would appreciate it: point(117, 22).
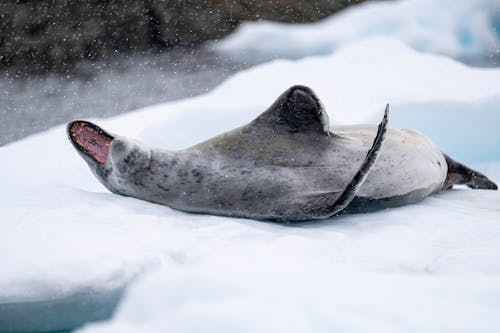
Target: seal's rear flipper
point(459, 174)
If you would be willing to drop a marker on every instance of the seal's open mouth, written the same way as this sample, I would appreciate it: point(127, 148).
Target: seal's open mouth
point(90, 139)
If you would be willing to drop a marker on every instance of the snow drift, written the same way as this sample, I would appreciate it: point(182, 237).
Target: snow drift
point(69, 244)
point(462, 29)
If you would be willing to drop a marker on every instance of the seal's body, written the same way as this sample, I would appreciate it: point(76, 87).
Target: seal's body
point(285, 165)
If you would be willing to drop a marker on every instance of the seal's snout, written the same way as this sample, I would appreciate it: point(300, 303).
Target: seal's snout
point(90, 139)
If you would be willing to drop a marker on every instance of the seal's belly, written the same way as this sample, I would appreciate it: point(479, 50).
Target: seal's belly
point(409, 168)
point(240, 191)
point(408, 163)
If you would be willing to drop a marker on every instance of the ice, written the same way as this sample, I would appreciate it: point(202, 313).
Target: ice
point(426, 92)
point(67, 243)
point(463, 29)
point(385, 272)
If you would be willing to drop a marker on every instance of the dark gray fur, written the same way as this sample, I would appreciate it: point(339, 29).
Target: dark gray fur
point(285, 165)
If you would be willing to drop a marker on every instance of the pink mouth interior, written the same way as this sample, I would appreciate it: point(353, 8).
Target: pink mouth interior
point(92, 140)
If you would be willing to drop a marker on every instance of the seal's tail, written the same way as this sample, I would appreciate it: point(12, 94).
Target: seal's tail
point(371, 157)
point(459, 174)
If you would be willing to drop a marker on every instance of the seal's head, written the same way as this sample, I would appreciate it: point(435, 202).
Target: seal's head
point(91, 141)
point(114, 160)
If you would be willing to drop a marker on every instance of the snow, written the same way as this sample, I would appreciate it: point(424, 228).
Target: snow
point(74, 249)
point(463, 29)
point(437, 272)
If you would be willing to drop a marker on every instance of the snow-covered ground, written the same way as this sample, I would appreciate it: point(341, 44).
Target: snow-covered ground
point(71, 250)
point(465, 29)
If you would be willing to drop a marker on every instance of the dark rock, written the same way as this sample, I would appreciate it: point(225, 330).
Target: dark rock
point(44, 35)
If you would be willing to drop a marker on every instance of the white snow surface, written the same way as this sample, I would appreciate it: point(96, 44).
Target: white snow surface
point(429, 267)
point(461, 29)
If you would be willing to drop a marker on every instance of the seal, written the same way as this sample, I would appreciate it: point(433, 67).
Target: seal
point(286, 165)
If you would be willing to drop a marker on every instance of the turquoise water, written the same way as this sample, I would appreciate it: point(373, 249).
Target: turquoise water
point(468, 132)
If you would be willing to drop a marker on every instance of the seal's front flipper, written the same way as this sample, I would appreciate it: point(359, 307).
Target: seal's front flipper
point(459, 174)
point(298, 109)
point(328, 209)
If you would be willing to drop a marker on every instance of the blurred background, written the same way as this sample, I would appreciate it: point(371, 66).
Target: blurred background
point(67, 59)
point(62, 60)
